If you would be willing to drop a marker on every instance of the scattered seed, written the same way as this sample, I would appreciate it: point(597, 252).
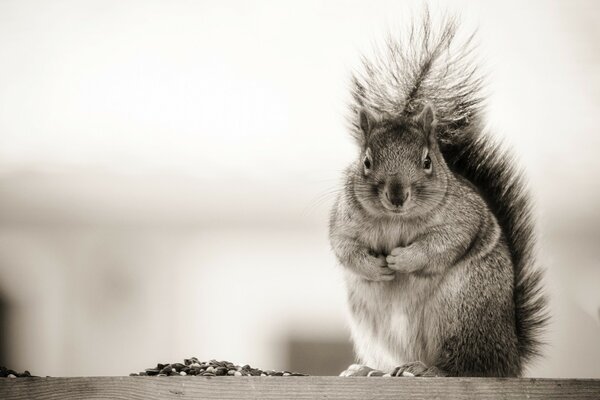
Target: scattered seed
point(11, 373)
point(192, 366)
point(166, 370)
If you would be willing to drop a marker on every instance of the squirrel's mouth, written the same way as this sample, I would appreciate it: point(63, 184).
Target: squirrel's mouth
point(402, 211)
point(389, 207)
point(396, 204)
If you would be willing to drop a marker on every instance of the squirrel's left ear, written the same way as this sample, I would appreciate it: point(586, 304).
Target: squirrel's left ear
point(366, 121)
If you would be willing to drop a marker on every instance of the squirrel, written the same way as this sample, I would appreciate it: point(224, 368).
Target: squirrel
point(433, 225)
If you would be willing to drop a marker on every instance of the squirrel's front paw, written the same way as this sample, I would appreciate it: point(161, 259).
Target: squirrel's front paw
point(404, 259)
point(378, 270)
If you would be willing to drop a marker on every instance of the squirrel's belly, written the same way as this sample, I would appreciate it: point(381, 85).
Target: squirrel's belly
point(385, 330)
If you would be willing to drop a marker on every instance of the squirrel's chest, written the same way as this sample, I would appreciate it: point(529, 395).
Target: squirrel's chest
point(383, 237)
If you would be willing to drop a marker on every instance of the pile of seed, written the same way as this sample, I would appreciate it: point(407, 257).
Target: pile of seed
point(9, 373)
point(192, 366)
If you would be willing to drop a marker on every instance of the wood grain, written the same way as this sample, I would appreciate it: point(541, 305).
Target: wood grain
point(331, 388)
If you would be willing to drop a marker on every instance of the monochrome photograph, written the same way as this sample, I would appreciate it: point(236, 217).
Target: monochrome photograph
point(299, 199)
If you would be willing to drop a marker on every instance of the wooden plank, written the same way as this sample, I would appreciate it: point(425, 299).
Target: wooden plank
point(331, 388)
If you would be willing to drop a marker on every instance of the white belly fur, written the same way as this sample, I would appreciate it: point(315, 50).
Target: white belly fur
point(395, 324)
point(392, 326)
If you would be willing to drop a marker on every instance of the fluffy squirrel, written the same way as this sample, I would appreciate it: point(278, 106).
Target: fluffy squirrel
point(433, 226)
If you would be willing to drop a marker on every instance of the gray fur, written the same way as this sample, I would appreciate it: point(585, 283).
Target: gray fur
point(440, 278)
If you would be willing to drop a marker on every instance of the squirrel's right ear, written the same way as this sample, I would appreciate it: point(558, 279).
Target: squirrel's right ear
point(427, 118)
point(366, 121)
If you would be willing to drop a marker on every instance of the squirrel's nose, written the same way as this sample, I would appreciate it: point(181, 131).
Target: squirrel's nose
point(397, 195)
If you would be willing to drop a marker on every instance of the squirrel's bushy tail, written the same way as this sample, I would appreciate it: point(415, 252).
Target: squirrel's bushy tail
point(431, 66)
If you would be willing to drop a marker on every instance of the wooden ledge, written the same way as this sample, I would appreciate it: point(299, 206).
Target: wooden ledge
point(311, 387)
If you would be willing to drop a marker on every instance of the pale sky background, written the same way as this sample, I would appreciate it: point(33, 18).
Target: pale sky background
point(167, 167)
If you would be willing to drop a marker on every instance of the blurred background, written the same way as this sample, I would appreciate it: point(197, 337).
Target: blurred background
point(167, 169)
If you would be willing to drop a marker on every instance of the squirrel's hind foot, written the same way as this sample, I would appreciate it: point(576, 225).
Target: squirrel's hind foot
point(361, 370)
point(416, 368)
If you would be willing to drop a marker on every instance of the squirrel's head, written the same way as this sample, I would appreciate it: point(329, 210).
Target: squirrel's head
point(401, 171)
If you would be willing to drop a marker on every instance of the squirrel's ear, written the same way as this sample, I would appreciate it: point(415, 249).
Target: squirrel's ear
point(427, 118)
point(366, 121)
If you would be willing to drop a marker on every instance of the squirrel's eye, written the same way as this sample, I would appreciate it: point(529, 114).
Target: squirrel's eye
point(427, 163)
point(367, 163)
